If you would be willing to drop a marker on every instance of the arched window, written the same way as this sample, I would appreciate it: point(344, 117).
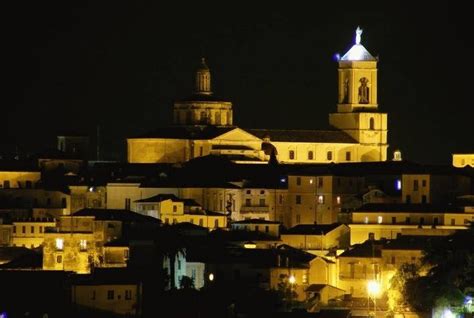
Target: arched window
point(310, 155)
point(329, 155)
point(292, 154)
point(371, 123)
point(363, 91)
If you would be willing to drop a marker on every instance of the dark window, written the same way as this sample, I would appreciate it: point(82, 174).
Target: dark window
point(408, 199)
point(6, 184)
point(48, 201)
point(435, 221)
point(32, 229)
point(394, 220)
point(262, 191)
point(247, 191)
point(423, 183)
point(248, 202)
point(14, 229)
point(59, 259)
point(371, 124)
point(262, 202)
point(298, 180)
point(415, 185)
point(23, 229)
point(320, 182)
point(423, 198)
point(422, 220)
point(110, 294)
point(28, 184)
point(371, 236)
point(256, 227)
point(348, 156)
point(280, 199)
point(292, 154)
point(298, 218)
point(310, 155)
point(267, 228)
point(453, 222)
point(329, 155)
point(127, 204)
point(64, 203)
point(175, 208)
point(216, 223)
point(407, 220)
point(298, 199)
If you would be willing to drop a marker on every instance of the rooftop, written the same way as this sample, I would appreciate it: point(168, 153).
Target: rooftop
point(312, 229)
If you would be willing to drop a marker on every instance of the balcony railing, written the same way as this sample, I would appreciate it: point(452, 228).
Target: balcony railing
point(254, 209)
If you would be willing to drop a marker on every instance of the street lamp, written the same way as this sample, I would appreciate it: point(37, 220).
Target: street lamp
point(373, 289)
point(292, 281)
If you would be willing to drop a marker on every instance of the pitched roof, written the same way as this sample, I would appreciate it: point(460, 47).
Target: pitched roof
point(405, 207)
point(115, 214)
point(323, 136)
point(255, 221)
point(358, 53)
point(369, 248)
point(187, 132)
point(315, 229)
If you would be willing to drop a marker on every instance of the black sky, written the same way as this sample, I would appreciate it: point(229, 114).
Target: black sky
point(120, 65)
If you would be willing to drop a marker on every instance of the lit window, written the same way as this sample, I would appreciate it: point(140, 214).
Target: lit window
point(379, 219)
point(310, 181)
point(398, 184)
point(338, 200)
point(59, 243)
point(83, 245)
point(366, 220)
point(321, 199)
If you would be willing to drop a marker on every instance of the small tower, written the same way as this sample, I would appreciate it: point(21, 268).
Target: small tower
point(202, 108)
point(203, 79)
point(357, 108)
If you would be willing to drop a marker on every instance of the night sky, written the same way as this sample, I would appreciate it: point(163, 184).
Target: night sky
point(120, 66)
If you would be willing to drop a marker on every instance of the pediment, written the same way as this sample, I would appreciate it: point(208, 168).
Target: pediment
point(237, 134)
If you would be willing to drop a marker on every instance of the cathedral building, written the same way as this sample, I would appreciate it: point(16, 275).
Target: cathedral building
point(203, 125)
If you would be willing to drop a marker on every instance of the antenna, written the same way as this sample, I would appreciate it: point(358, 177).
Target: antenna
point(98, 143)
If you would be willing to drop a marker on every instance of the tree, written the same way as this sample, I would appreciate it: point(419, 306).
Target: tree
point(451, 273)
point(186, 282)
point(397, 293)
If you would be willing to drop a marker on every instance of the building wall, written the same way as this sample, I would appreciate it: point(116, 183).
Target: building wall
point(196, 271)
point(153, 150)
point(30, 234)
point(318, 199)
point(301, 279)
point(83, 197)
point(322, 272)
point(120, 299)
point(270, 229)
point(463, 160)
point(19, 179)
point(355, 272)
point(118, 194)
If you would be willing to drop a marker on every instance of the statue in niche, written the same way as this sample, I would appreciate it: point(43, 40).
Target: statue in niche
point(345, 98)
point(364, 91)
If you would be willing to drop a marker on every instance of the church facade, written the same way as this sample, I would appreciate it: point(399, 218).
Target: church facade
point(203, 125)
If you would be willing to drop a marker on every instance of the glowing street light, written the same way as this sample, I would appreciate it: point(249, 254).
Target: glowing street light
point(211, 277)
point(292, 279)
point(373, 287)
point(373, 290)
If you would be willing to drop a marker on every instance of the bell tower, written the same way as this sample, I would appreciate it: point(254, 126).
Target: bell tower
point(357, 107)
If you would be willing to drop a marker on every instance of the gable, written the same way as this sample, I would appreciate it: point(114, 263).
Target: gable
point(237, 134)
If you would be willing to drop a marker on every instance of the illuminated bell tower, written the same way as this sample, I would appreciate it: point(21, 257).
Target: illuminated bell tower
point(203, 79)
point(357, 108)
